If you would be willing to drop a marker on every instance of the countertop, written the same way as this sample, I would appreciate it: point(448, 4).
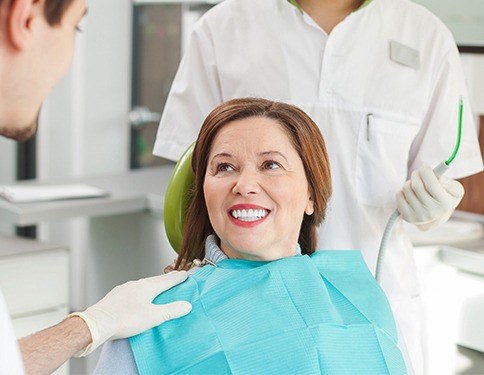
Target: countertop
point(134, 191)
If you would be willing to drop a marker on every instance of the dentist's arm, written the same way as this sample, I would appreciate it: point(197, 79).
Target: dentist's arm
point(428, 201)
point(125, 311)
point(44, 351)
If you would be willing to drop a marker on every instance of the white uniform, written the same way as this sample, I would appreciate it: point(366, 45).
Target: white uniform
point(382, 114)
point(10, 359)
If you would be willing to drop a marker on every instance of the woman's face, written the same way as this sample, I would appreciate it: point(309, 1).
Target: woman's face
point(256, 190)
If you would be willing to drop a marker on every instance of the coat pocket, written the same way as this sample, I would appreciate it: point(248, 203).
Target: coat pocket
point(382, 159)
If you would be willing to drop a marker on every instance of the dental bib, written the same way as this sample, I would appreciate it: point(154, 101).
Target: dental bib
point(319, 314)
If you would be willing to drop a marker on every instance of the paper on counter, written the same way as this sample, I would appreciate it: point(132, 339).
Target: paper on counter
point(35, 193)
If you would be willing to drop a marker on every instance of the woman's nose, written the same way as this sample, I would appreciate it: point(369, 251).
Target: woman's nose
point(247, 183)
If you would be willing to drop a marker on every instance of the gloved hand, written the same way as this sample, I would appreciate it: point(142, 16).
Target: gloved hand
point(428, 201)
point(128, 309)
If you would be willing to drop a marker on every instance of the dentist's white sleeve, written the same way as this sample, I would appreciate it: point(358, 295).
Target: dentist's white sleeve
point(10, 358)
point(436, 141)
point(194, 93)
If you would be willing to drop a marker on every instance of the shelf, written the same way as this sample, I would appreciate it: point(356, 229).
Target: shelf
point(129, 193)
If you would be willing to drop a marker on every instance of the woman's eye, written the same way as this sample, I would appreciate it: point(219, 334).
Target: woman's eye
point(271, 164)
point(224, 167)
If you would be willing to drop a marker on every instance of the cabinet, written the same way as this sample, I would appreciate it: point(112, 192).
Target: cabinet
point(111, 239)
point(34, 279)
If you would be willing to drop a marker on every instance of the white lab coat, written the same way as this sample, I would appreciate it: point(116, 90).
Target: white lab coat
point(10, 359)
point(381, 117)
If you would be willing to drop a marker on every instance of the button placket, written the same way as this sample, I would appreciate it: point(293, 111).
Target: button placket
point(325, 79)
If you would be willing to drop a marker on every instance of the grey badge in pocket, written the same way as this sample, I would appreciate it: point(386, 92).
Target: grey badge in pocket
point(404, 55)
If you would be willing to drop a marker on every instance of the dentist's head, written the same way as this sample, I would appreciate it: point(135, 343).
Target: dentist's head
point(36, 45)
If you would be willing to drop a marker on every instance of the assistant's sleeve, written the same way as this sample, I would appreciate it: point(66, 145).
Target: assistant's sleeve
point(194, 93)
point(437, 138)
point(116, 358)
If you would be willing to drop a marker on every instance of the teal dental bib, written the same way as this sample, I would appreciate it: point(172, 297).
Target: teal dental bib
point(319, 314)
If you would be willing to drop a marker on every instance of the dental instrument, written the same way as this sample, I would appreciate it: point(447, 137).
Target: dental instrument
point(439, 170)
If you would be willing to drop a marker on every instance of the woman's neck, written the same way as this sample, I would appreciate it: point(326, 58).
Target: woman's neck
point(328, 13)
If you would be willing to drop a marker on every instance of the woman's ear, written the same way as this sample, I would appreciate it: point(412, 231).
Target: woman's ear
point(19, 21)
point(309, 207)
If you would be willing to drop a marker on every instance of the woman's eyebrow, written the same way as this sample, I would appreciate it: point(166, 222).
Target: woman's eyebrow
point(270, 153)
point(221, 155)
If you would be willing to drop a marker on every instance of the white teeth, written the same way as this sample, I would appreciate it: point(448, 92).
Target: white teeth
point(249, 215)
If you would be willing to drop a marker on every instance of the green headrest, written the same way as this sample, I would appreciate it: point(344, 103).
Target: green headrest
point(177, 198)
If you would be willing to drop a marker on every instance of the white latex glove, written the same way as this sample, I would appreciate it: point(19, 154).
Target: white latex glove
point(428, 201)
point(128, 309)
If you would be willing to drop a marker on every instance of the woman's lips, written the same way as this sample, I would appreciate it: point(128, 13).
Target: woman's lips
point(248, 215)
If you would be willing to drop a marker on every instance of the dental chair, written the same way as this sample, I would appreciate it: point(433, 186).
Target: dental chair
point(177, 198)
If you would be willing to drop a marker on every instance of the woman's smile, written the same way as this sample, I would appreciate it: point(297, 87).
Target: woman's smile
point(247, 215)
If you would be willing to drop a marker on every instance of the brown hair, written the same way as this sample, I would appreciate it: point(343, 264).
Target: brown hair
point(306, 139)
point(53, 9)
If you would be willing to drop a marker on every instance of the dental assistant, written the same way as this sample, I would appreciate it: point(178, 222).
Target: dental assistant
point(36, 43)
point(382, 79)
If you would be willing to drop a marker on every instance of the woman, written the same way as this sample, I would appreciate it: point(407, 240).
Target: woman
point(260, 303)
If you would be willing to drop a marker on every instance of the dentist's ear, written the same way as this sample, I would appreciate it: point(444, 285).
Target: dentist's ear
point(20, 16)
point(309, 207)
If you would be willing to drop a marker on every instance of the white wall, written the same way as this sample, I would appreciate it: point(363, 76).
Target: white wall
point(473, 65)
point(465, 20)
point(7, 172)
point(7, 160)
point(83, 126)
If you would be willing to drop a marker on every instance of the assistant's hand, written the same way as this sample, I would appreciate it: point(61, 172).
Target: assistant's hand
point(128, 309)
point(428, 201)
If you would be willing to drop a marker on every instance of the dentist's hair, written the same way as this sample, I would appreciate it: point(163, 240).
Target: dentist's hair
point(53, 9)
point(306, 139)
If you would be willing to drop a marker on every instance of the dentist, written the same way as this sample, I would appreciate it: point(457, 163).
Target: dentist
point(36, 43)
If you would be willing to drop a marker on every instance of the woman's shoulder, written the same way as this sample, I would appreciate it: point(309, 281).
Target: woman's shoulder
point(116, 358)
